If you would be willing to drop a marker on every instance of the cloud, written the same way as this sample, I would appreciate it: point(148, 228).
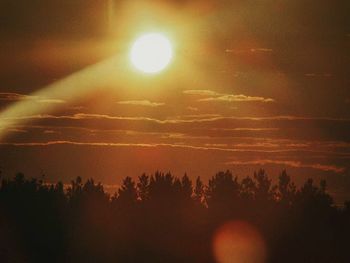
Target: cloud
point(216, 145)
point(313, 75)
point(88, 116)
point(63, 142)
point(252, 50)
point(237, 98)
point(192, 108)
point(10, 96)
point(261, 49)
point(295, 164)
point(49, 132)
point(146, 103)
point(17, 130)
point(182, 145)
point(77, 108)
point(201, 92)
point(198, 118)
point(215, 96)
point(245, 129)
point(51, 101)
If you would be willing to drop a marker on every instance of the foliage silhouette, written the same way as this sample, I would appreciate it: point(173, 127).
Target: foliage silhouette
point(162, 218)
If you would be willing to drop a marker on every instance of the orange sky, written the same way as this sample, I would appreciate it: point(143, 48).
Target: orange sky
point(252, 85)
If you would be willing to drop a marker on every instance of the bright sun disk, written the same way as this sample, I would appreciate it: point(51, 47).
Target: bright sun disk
point(151, 53)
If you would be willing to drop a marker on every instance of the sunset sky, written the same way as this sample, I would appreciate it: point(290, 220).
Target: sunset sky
point(252, 84)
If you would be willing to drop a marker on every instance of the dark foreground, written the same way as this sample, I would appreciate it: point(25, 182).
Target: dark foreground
point(160, 218)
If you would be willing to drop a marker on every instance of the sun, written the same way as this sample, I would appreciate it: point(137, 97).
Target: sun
point(151, 53)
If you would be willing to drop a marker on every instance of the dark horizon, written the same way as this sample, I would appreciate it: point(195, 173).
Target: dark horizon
point(162, 218)
point(111, 189)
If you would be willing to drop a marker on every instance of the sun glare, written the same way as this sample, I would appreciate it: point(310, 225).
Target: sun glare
point(151, 53)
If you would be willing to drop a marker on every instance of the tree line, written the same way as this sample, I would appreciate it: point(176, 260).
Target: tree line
point(163, 218)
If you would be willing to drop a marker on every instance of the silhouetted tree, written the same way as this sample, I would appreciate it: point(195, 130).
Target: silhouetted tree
point(286, 189)
point(186, 190)
point(247, 189)
point(143, 187)
point(264, 189)
point(162, 218)
point(222, 187)
point(127, 193)
point(199, 191)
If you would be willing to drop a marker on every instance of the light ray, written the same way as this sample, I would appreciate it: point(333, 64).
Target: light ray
point(67, 89)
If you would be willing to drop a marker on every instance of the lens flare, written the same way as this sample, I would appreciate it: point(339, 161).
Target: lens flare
point(238, 241)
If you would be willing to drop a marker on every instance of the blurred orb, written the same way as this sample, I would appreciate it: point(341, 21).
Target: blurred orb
point(238, 242)
point(151, 53)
